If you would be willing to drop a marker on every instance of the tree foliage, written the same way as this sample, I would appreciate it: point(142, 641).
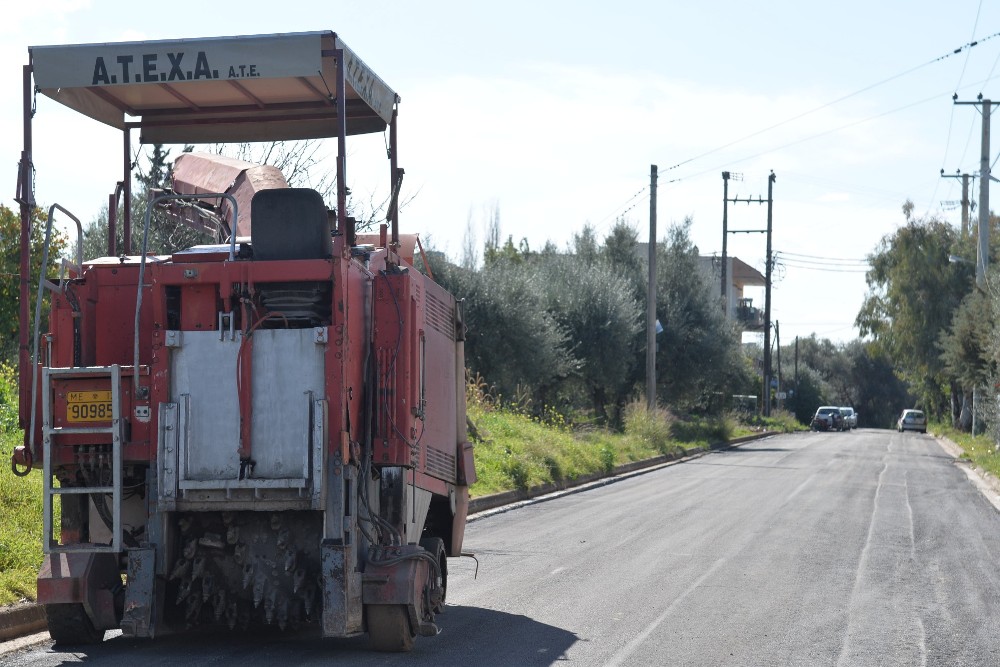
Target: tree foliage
point(913, 292)
point(10, 271)
point(164, 236)
point(592, 304)
point(567, 327)
point(699, 350)
point(513, 340)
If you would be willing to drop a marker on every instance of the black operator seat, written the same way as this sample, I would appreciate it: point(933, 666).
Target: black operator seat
point(289, 223)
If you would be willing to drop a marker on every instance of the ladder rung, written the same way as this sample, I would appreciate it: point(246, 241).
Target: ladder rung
point(80, 490)
point(78, 430)
point(79, 548)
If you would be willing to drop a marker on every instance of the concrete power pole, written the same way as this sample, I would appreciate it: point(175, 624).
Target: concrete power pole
point(765, 406)
point(983, 246)
point(777, 346)
point(767, 299)
point(725, 238)
point(651, 297)
point(965, 199)
point(965, 204)
point(983, 252)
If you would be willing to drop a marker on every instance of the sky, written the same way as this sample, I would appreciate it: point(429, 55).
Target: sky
point(553, 112)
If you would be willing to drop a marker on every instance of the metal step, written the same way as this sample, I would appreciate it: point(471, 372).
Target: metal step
point(51, 433)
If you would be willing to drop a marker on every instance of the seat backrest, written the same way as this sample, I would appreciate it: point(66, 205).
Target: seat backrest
point(289, 223)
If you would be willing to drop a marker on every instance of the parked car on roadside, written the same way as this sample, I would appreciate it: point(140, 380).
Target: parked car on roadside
point(827, 418)
point(912, 420)
point(850, 417)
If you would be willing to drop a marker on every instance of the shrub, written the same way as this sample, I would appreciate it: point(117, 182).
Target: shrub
point(653, 427)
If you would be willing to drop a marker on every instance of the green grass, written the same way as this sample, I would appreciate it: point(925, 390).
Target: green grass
point(20, 527)
point(517, 452)
point(980, 450)
point(20, 505)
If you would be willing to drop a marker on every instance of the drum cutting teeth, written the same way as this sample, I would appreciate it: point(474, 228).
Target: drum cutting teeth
point(219, 604)
point(259, 583)
point(207, 586)
point(298, 578)
point(182, 567)
point(231, 614)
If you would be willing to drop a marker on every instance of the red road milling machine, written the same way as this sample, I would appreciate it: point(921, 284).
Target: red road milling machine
point(268, 430)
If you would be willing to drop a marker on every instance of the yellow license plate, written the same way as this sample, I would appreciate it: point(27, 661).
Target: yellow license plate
point(88, 406)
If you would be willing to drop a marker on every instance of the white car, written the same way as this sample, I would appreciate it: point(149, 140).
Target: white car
point(850, 418)
point(912, 420)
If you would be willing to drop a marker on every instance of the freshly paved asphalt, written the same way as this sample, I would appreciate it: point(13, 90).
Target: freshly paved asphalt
point(861, 548)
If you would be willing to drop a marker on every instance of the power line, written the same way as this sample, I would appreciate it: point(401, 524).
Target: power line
point(630, 204)
point(975, 25)
point(958, 85)
point(824, 269)
point(627, 203)
point(817, 136)
point(829, 261)
point(964, 47)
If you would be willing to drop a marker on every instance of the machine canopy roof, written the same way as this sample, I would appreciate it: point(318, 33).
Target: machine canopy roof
point(214, 90)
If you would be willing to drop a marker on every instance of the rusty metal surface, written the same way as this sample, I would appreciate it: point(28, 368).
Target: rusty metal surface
point(137, 620)
point(196, 173)
point(341, 591)
point(87, 578)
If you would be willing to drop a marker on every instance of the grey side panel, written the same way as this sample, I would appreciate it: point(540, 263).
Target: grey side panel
point(288, 427)
point(203, 369)
point(287, 372)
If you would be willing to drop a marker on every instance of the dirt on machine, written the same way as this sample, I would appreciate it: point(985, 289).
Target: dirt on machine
point(267, 429)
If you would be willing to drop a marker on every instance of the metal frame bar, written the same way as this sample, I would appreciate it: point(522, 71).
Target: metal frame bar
point(142, 259)
point(26, 198)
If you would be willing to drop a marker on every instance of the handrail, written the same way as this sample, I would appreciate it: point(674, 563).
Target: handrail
point(38, 309)
point(142, 259)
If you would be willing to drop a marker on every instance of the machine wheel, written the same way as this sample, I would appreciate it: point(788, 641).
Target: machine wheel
point(389, 628)
point(69, 624)
point(435, 546)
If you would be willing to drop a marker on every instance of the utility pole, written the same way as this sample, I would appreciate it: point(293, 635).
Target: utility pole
point(767, 299)
point(796, 372)
point(983, 246)
point(726, 176)
point(777, 345)
point(766, 401)
point(983, 252)
point(725, 238)
point(651, 297)
point(965, 199)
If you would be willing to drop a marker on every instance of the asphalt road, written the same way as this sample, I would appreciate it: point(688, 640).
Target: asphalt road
point(861, 548)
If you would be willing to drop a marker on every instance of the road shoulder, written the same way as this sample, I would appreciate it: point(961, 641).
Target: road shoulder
point(987, 484)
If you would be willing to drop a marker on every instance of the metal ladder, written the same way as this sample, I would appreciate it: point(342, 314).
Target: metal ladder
point(49, 432)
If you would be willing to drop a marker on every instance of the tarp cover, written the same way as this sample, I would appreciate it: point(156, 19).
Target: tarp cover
point(226, 89)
